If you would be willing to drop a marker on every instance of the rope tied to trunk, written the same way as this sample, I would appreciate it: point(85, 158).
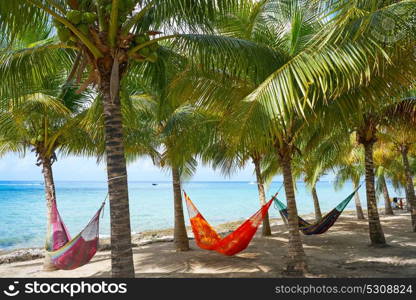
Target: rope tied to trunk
point(117, 177)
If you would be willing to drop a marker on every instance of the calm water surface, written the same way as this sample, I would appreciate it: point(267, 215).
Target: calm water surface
point(22, 205)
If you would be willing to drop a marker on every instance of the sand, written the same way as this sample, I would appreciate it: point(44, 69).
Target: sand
point(343, 251)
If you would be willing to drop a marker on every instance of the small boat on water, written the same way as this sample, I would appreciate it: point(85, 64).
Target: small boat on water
point(154, 183)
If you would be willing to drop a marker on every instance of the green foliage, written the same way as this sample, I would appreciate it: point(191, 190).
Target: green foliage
point(64, 34)
point(88, 18)
point(279, 74)
point(74, 16)
point(45, 121)
point(141, 39)
point(84, 29)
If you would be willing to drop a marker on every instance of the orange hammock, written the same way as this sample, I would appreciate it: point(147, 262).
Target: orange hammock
point(207, 238)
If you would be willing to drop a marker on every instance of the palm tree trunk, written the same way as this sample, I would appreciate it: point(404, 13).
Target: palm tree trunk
point(266, 230)
point(388, 210)
point(180, 236)
point(121, 247)
point(376, 231)
point(296, 264)
point(50, 196)
point(358, 207)
point(410, 189)
point(318, 213)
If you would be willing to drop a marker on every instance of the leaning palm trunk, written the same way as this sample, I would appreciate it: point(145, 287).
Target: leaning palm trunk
point(296, 264)
point(388, 210)
point(50, 196)
point(410, 190)
point(180, 235)
point(121, 248)
point(376, 231)
point(358, 207)
point(318, 213)
point(266, 230)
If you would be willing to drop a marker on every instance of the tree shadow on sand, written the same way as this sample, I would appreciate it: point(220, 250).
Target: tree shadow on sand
point(341, 252)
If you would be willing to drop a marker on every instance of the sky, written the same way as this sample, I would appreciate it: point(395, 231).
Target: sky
point(13, 167)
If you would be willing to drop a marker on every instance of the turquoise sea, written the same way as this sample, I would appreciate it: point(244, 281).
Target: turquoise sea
point(23, 210)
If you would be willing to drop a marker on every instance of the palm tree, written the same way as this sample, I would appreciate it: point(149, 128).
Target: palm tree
point(182, 136)
point(365, 107)
point(257, 158)
point(368, 23)
point(302, 81)
point(410, 190)
point(351, 167)
point(367, 121)
point(348, 22)
point(284, 94)
point(384, 159)
point(230, 155)
point(45, 121)
point(318, 213)
point(101, 42)
point(180, 132)
point(267, 23)
point(366, 136)
point(169, 130)
point(382, 184)
point(310, 165)
point(400, 132)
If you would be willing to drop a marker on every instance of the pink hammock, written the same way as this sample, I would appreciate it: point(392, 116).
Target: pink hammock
point(67, 253)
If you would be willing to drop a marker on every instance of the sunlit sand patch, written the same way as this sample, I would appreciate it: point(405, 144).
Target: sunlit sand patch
point(248, 255)
point(395, 260)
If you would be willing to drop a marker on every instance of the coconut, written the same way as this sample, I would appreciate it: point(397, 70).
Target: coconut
point(74, 16)
point(64, 34)
point(84, 29)
point(88, 18)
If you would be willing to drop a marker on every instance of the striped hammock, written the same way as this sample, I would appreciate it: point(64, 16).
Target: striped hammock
point(322, 225)
point(67, 253)
point(238, 240)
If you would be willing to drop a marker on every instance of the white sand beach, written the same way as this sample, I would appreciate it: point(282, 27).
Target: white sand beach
point(343, 251)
